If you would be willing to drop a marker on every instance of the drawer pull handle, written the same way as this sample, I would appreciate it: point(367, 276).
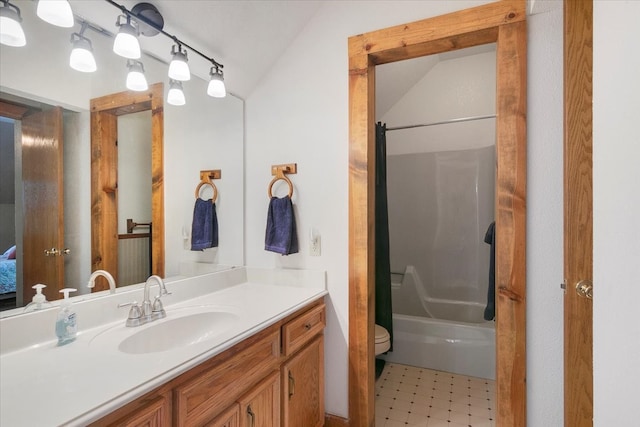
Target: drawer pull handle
point(292, 385)
point(307, 326)
point(252, 417)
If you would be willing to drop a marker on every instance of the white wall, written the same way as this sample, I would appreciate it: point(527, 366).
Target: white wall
point(616, 212)
point(544, 221)
point(454, 88)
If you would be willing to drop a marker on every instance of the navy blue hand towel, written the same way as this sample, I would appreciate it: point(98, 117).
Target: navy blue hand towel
point(490, 238)
point(281, 236)
point(204, 228)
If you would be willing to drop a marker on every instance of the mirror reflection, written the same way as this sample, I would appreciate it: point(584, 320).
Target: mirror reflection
point(205, 133)
point(134, 198)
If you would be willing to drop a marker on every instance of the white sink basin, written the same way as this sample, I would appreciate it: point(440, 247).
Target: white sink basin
point(182, 327)
point(178, 332)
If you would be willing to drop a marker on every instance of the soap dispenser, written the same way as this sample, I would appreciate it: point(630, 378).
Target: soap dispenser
point(66, 322)
point(39, 301)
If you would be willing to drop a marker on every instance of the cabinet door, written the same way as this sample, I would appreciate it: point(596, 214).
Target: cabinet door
point(153, 414)
point(228, 419)
point(260, 407)
point(303, 387)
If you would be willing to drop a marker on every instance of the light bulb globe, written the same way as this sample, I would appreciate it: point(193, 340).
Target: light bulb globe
point(176, 95)
point(136, 80)
point(216, 86)
point(179, 68)
point(126, 43)
point(11, 32)
point(82, 58)
point(55, 12)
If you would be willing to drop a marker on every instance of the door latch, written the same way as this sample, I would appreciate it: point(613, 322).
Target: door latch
point(584, 288)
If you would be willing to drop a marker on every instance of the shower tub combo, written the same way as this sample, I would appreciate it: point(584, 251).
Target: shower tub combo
point(440, 205)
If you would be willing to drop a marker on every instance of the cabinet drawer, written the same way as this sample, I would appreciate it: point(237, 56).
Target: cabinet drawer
point(302, 329)
point(205, 396)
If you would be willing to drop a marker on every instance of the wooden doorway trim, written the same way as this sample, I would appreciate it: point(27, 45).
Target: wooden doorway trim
point(104, 177)
point(578, 211)
point(504, 23)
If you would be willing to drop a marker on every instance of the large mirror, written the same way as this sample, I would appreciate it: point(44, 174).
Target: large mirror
point(204, 134)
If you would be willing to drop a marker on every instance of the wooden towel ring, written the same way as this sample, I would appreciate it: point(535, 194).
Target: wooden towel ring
point(215, 190)
point(280, 176)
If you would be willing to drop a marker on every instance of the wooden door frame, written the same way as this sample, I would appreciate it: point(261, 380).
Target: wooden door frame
point(503, 23)
point(104, 177)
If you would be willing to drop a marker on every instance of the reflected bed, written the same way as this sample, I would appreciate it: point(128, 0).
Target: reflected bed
point(8, 279)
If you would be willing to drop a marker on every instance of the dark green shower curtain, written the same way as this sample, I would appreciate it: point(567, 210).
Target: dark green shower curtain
point(382, 261)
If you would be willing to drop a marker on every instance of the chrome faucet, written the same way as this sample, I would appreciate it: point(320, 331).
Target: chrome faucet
point(147, 312)
point(106, 275)
point(155, 311)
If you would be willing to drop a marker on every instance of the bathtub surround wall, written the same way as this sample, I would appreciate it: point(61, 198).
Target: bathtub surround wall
point(440, 205)
point(410, 297)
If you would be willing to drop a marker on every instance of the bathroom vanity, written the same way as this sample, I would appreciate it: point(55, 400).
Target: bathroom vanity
point(239, 348)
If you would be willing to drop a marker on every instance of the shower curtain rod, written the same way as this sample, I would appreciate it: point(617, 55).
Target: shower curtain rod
point(445, 122)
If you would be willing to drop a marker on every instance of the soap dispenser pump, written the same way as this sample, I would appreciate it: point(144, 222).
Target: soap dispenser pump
point(39, 301)
point(66, 328)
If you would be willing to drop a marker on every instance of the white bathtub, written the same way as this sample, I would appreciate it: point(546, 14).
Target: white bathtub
point(444, 345)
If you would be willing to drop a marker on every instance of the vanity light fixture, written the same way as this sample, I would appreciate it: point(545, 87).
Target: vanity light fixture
point(81, 58)
point(126, 43)
point(11, 33)
point(216, 84)
point(135, 78)
point(55, 12)
point(149, 22)
point(178, 68)
point(175, 95)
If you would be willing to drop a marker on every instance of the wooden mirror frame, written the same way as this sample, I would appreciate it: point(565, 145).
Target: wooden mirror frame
point(104, 174)
point(503, 23)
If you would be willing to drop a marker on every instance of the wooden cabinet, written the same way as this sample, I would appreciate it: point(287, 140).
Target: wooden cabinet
point(303, 387)
point(273, 378)
point(261, 406)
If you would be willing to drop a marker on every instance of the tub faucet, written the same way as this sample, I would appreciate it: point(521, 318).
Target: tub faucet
point(106, 275)
point(156, 311)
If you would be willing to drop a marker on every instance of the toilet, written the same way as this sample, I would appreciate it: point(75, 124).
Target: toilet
point(382, 341)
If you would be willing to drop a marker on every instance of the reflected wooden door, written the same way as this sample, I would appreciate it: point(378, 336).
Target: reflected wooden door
point(578, 213)
point(42, 144)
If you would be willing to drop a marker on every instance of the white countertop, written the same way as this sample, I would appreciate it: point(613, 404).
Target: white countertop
point(46, 385)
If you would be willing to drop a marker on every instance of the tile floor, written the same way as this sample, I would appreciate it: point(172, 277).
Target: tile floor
point(418, 397)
